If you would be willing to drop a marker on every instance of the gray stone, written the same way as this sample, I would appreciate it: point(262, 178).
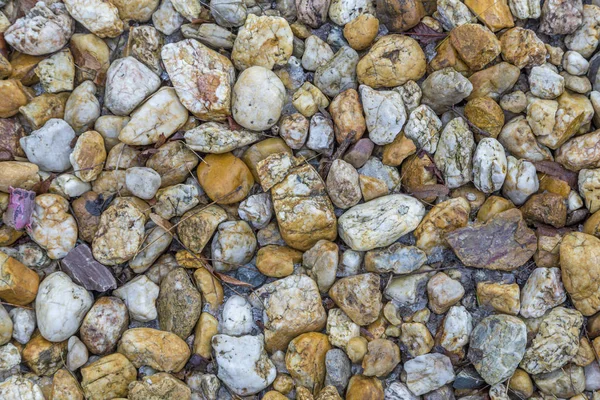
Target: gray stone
point(50, 146)
point(338, 369)
point(562, 383)
point(428, 372)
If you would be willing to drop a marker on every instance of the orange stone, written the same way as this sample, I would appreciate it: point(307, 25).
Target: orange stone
point(18, 284)
point(225, 178)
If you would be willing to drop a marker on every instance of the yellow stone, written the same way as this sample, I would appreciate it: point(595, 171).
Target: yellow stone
point(225, 178)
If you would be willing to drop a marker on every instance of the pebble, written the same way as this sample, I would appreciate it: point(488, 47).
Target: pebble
point(108, 376)
point(22, 286)
point(82, 108)
point(139, 296)
point(585, 39)
point(237, 317)
point(49, 147)
point(339, 73)
point(23, 325)
point(122, 95)
point(360, 31)
point(243, 363)
point(61, 306)
point(385, 114)
point(364, 305)
point(21, 387)
point(321, 261)
point(428, 372)
point(396, 258)
point(179, 303)
point(103, 325)
point(160, 350)
point(77, 354)
point(100, 18)
point(443, 292)
point(417, 338)
point(160, 384)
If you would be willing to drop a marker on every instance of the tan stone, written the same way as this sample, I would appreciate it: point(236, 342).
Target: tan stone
point(277, 261)
point(502, 297)
point(359, 296)
point(392, 61)
point(305, 360)
point(304, 211)
point(163, 351)
point(522, 48)
point(520, 383)
point(18, 284)
point(553, 184)
point(273, 395)
point(261, 150)
point(580, 265)
point(65, 386)
point(108, 377)
point(361, 31)
point(446, 56)
point(417, 338)
point(416, 172)
point(361, 387)
point(585, 355)
point(43, 108)
point(399, 16)
point(208, 284)
point(197, 226)
point(397, 151)
point(495, 14)
point(42, 356)
point(493, 205)
point(372, 188)
point(88, 156)
point(23, 68)
point(12, 96)
point(309, 99)
point(444, 217)
point(225, 178)
point(206, 328)
point(92, 57)
point(494, 81)
point(283, 383)
point(547, 254)
point(475, 44)
point(382, 357)
point(161, 386)
point(173, 161)
point(486, 114)
point(592, 225)
point(347, 114)
point(357, 348)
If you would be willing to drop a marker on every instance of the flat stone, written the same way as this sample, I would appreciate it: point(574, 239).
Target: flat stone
point(81, 266)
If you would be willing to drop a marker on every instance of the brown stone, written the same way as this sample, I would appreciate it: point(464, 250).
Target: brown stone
point(520, 383)
point(580, 266)
point(503, 243)
point(546, 208)
point(173, 162)
point(277, 261)
point(91, 56)
point(443, 218)
point(209, 286)
point(361, 387)
point(397, 151)
point(23, 68)
point(87, 210)
point(475, 44)
point(495, 14)
point(163, 351)
point(522, 48)
point(18, 284)
point(359, 296)
point(553, 184)
point(416, 172)
point(486, 114)
point(43, 108)
point(372, 188)
point(198, 225)
point(42, 356)
point(305, 360)
point(400, 15)
point(12, 96)
point(547, 254)
point(10, 133)
point(494, 81)
point(206, 328)
point(446, 56)
point(88, 156)
point(107, 378)
point(382, 357)
point(361, 31)
point(225, 178)
point(592, 225)
point(347, 114)
point(104, 324)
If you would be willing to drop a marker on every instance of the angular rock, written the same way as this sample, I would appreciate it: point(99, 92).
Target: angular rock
point(428, 372)
point(128, 84)
point(359, 297)
point(80, 265)
point(162, 351)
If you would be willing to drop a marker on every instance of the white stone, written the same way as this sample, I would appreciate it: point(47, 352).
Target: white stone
point(161, 115)
point(575, 64)
point(423, 128)
point(316, 53)
point(190, 9)
point(589, 183)
point(128, 84)
point(228, 13)
point(258, 98)
point(45, 29)
point(443, 292)
point(69, 186)
point(545, 83)
point(98, 16)
point(23, 324)
point(518, 139)
point(454, 153)
point(380, 222)
point(489, 165)
point(428, 372)
point(217, 138)
point(542, 291)
point(10, 357)
point(524, 9)
point(541, 115)
point(411, 95)
point(233, 245)
point(19, 388)
point(574, 201)
point(585, 39)
point(338, 74)
point(521, 180)
point(77, 354)
point(60, 306)
point(321, 134)
point(408, 291)
point(140, 296)
point(257, 210)
point(399, 391)
point(592, 376)
point(166, 19)
point(52, 227)
point(237, 317)
point(50, 146)
point(243, 363)
point(453, 13)
point(142, 182)
point(343, 11)
point(340, 328)
point(456, 328)
point(384, 113)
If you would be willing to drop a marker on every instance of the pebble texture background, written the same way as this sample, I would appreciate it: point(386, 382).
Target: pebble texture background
point(299, 199)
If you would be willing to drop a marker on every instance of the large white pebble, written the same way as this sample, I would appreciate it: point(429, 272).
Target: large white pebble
point(50, 146)
point(60, 306)
point(140, 296)
point(142, 182)
point(237, 317)
point(380, 222)
point(258, 98)
point(489, 165)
